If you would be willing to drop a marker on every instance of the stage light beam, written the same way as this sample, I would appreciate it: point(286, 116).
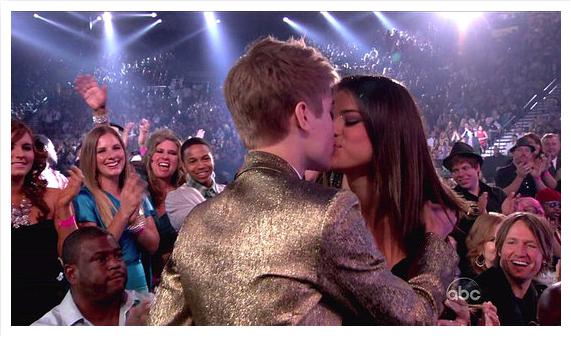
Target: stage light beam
point(462, 19)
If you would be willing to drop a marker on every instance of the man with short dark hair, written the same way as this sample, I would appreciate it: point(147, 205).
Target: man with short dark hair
point(97, 274)
point(198, 162)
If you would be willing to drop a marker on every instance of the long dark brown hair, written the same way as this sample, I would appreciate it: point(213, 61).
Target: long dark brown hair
point(34, 187)
point(402, 171)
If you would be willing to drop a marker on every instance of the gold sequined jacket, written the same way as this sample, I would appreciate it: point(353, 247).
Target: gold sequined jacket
point(272, 249)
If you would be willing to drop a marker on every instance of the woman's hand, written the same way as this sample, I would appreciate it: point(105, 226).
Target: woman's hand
point(72, 189)
point(438, 219)
point(489, 315)
point(462, 311)
point(132, 193)
point(510, 203)
point(93, 95)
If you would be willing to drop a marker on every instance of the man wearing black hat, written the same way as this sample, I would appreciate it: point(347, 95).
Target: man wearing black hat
point(521, 176)
point(464, 164)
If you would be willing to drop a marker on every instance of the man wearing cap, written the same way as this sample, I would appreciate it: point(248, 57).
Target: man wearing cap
point(464, 164)
point(198, 163)
point(521, 176)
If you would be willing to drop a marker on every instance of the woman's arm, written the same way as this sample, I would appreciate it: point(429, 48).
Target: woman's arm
point(62, 202)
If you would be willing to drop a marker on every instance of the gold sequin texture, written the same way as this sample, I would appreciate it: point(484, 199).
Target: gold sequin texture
point(272, 249)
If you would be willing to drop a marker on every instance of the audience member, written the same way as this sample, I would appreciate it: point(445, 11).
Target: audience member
point(97, 275)
point(54, 177)
point(520, 176)
point(524, 244)
point(113, 198)
point(481, 242)
point(552, 148)
point(549, 306)
point(41, 219)
point(198, 162)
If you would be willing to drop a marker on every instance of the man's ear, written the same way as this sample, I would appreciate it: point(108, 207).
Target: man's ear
point(71, 273)
point(302, 116)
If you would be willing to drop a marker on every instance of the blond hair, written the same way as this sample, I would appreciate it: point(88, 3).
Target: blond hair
point(88, 165)
point(480, 233)
point(264, 86)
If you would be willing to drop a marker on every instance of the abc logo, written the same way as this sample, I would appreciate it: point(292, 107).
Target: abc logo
point(463, 289)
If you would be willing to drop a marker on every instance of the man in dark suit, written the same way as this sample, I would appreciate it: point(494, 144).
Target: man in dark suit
point(552, 148)
point(273, 248)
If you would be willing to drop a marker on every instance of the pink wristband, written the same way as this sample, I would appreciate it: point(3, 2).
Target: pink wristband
point(69, 222)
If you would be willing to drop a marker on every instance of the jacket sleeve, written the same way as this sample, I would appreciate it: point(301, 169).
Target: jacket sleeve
point(170, 307)
point(354, 272)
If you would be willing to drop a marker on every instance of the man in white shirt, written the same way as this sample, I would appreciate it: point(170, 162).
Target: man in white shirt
point(198, 163)
point(97, 274)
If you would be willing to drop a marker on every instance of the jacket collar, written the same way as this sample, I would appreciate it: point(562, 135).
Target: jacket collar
point(258, 160)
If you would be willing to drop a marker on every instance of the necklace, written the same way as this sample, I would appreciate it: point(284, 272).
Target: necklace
point(21, 213)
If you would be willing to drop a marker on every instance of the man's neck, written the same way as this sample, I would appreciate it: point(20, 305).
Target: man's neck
point(475, 190)
point(99, 312)
point(289, 152)
point(519, 288)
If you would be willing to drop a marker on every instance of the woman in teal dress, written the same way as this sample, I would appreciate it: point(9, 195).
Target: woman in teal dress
point(114, 198)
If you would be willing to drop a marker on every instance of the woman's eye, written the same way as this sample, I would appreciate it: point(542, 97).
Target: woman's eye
point(351, 122)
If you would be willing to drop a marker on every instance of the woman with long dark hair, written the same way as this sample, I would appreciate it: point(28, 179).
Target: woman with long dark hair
point(41, 219)
point(380, 146)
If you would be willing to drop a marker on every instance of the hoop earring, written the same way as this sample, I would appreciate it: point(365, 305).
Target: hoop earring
point(480, 261)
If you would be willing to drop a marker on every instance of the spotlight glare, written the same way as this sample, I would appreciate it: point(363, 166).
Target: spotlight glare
point(217, 21)
point(286, 19)
point(462, 19)
point(107, 16)
point(36, 16)
point(159, 21)
point(99, 18)
point(153, 15)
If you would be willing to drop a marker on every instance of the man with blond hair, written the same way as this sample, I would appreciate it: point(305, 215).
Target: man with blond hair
point(273, 248)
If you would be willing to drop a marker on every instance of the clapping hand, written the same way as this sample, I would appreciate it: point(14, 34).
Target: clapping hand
point(132, 193)
point(462, 311)
point(510, 203)
point(489, 315)
point(72, 189)
point(523, 169)
point(482, 203)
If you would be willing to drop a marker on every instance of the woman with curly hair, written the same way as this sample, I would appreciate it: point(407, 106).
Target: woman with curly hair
point(41, 219)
